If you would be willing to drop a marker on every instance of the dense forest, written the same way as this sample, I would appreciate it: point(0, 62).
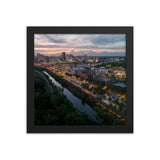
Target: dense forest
point(56, 110)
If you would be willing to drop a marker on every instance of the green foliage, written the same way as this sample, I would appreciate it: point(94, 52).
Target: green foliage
point(74, 118)
point(113, 64)
point(60, 111)
point(108, 119)
point(41, 96)
point(56, 111)
point(99, 91)
point(85, 85)
point(117, 89)
point(50, 118)
point(64, 109)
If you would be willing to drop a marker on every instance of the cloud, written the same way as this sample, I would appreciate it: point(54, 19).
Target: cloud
point(108, 38)
point(94, 53)
point(81, 52)
point(46, 46)
point(108, 54)
point(55, 40)
point(80, 43)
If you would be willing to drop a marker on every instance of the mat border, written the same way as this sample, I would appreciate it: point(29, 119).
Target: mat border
point(31, 128)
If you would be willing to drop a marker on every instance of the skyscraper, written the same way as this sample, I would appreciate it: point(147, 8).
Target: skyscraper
point(63, 56)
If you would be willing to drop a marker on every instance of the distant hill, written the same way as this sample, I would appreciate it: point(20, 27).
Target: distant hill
point(93, 54)
point(106, 54)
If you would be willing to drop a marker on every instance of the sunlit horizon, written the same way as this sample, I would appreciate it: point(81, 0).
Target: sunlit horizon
point(80, 44)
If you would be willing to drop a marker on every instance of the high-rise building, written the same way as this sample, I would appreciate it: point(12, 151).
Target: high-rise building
point(63, 56)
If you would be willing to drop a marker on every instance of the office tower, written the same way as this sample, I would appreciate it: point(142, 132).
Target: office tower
point(63, 56)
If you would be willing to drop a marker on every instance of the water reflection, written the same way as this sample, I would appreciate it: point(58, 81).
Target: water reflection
point(77, 103)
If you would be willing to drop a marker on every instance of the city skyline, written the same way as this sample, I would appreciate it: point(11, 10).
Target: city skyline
point(80, 44)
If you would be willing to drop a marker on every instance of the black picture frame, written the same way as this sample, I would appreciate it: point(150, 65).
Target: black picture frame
point(31, 128)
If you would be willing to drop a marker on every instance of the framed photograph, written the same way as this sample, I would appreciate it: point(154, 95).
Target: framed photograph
point(80, 79)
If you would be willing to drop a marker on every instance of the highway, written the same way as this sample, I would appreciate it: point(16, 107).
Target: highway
point(110, 109)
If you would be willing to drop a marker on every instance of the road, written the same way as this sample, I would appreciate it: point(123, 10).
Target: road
point(95, 97)
point(48, 84)
point(115, 112)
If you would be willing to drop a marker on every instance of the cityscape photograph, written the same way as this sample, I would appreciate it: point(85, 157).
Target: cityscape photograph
point(79, 79)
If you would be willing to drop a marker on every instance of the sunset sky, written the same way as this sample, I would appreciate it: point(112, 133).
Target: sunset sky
point(80, 44)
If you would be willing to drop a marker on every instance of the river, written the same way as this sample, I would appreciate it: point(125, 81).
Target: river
point(77, 103)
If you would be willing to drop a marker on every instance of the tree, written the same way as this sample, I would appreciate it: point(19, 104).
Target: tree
point(85, 85)
point(75, 119)
point(50, 118)
point(64, 109)
point(108, 119)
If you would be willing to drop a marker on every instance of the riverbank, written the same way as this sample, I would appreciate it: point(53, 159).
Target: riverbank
point(58, 111)
point(96, 104)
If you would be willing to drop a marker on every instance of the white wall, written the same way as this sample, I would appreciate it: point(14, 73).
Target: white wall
point(15, 143)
